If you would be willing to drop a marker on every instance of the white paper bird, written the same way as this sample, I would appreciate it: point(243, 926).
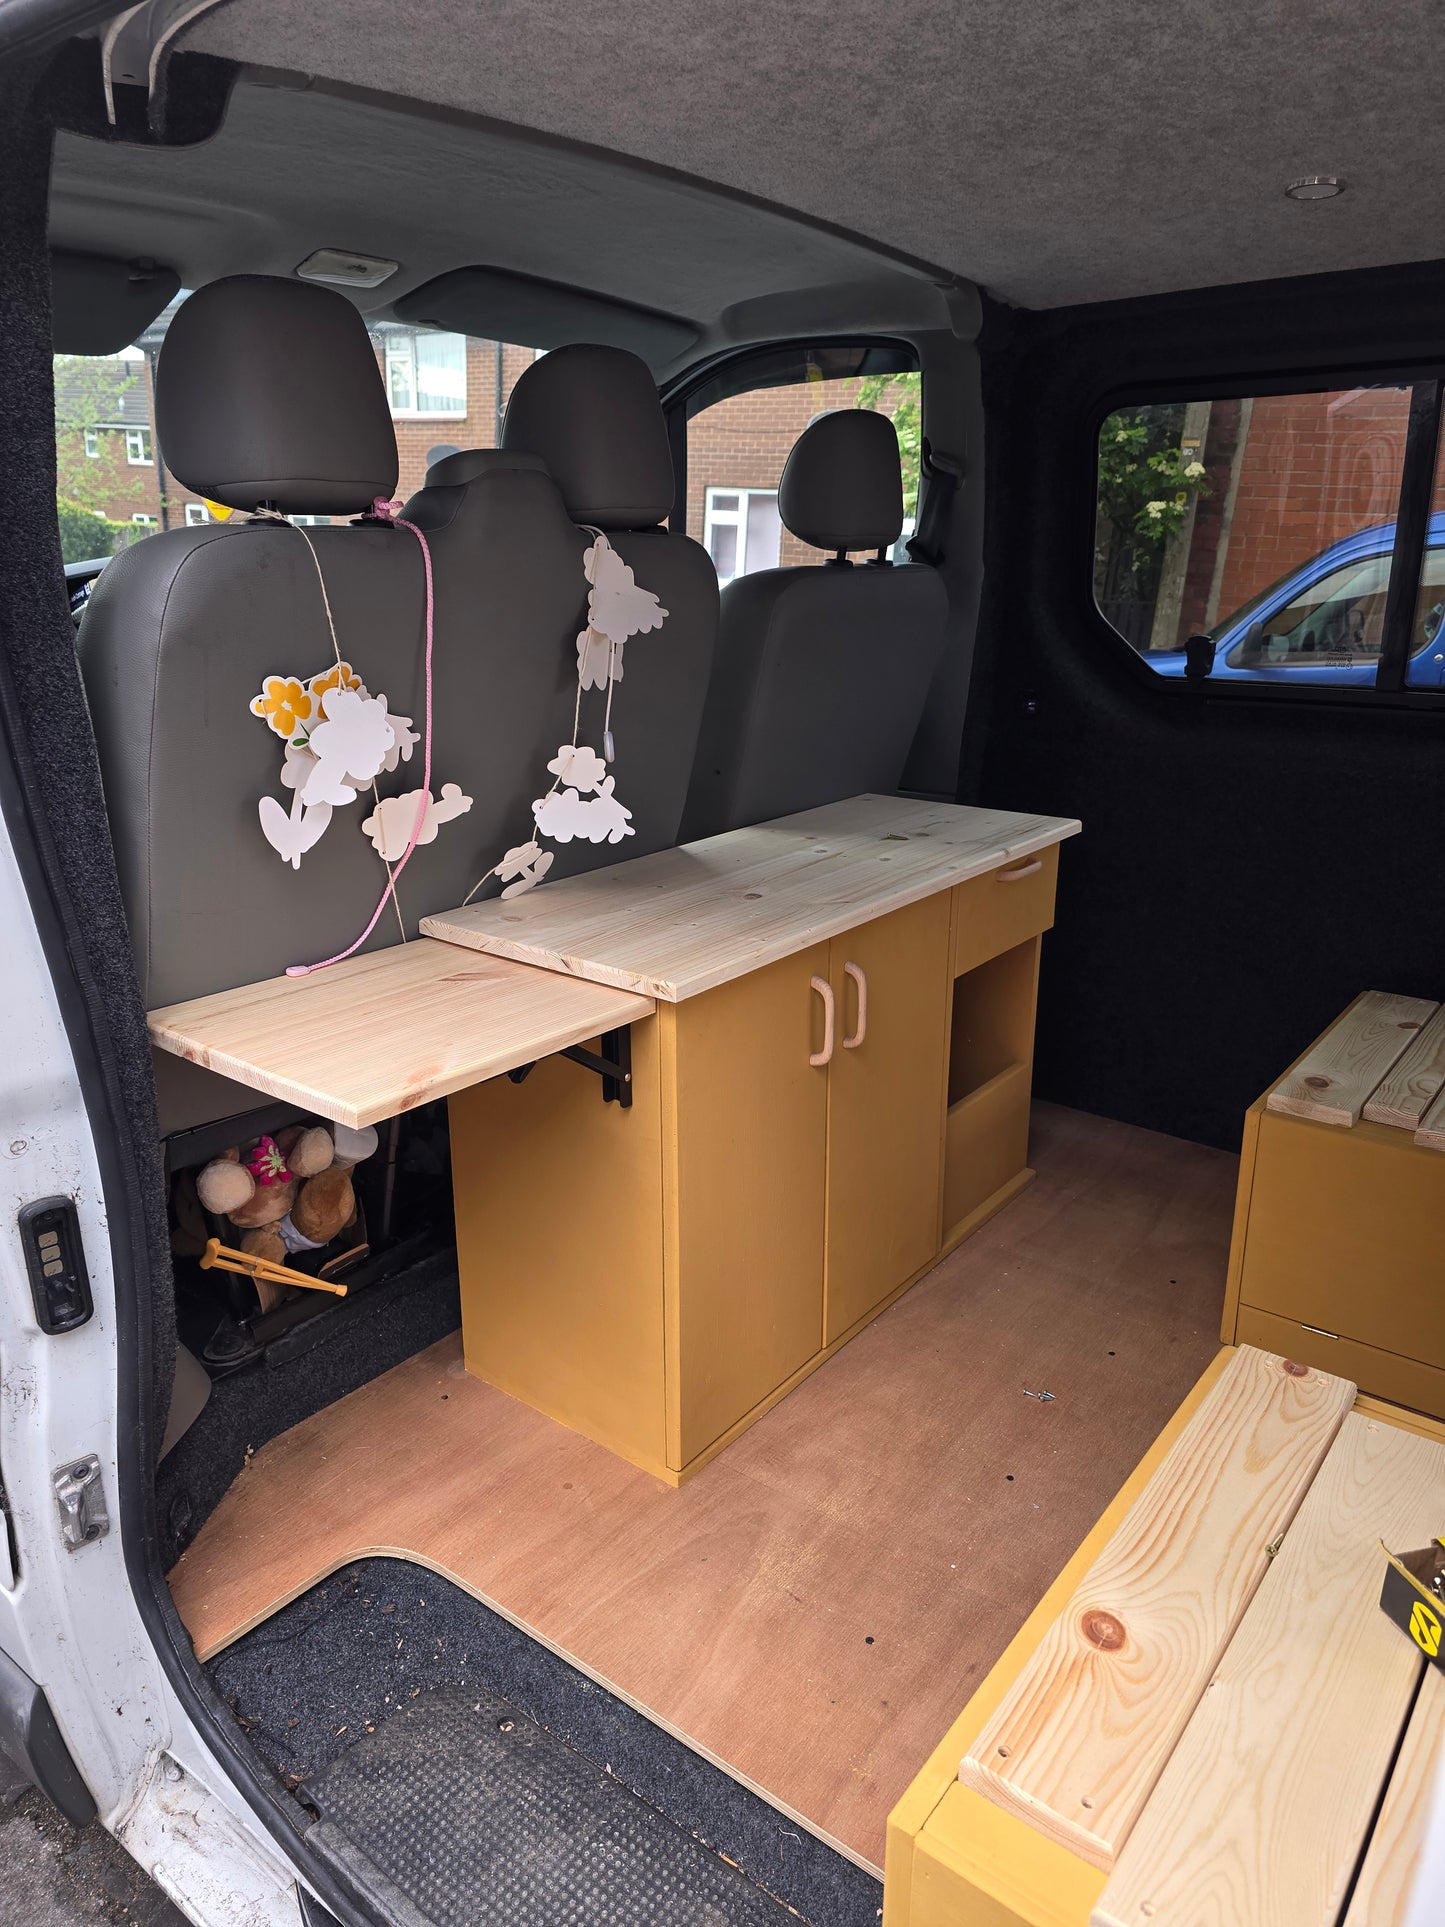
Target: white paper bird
point(292, 836)
point(350, 746)
point(524, 867)
point(617, 608)
point(391, 823)
point(596, 819)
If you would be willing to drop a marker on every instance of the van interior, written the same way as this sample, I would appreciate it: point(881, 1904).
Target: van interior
point(607, 1441)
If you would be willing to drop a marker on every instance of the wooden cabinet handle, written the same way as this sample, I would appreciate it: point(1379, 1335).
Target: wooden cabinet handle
point(852, 970)
point(1029, 869)
point(825, 991)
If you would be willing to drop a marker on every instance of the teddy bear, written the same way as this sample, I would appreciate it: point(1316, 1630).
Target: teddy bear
point(289, 1193)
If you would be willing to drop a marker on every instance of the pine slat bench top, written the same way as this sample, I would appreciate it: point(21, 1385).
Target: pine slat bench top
point(1079, 1741)
point(684, 920)
point(1341, 1072)
point(382, 1033)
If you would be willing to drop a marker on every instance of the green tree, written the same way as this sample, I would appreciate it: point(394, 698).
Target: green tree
point(900, 397)
point(88, 393)
point(1147, 484)
point(86, 536)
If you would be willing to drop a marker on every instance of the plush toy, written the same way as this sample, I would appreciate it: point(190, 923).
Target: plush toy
point(289, 1193)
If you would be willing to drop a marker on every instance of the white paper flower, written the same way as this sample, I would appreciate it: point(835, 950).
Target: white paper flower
point(392, 821)
point(576, 764)
point(407, 739)
point(292, 836)
point(350, 746)
point(595, 657)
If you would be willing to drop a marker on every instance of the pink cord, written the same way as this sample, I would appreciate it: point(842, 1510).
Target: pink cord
point(383, 511)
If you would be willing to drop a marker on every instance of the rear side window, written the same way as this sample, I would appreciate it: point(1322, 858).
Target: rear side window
point(743, 421)
point(1303, 533)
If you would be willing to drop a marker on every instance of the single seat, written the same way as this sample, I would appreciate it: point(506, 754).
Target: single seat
point(592, 414)
point(821, 672)
point(268, 392)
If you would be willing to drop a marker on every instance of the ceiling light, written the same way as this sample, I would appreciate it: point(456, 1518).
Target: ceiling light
point(1316, 187)
point(346, 270)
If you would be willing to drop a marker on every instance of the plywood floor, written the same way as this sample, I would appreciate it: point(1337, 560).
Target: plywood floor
point(813, 1609)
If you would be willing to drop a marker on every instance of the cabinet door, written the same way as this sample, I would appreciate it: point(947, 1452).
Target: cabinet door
point(886, 1106)
point(744, 1149)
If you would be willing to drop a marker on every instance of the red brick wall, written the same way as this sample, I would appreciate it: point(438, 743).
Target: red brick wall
point(743, 442)
point(477, 429)
point(107, 481)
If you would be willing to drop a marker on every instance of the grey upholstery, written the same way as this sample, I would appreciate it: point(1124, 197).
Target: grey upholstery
point(271, 393)
point(593, 415)
point(821, 672)
point(183, 628)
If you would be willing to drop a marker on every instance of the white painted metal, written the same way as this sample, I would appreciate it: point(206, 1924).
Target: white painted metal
point(69, 1618)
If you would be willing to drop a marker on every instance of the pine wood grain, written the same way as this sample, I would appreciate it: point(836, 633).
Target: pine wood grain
point(1088, 1726)
point(1382, 1893)
point(684, 920)
point(382, 1033)
point(1431, 1133)
point(1412, 1085)
point(906, 1493)
point(1336, 1078)
point(1261, 1812)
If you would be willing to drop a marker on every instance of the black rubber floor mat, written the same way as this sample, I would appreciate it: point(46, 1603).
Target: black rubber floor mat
point(481, 1819)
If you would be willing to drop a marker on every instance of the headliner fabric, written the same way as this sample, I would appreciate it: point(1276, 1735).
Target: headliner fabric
point(842, 484)
point(1057, 154)
point(268, 391)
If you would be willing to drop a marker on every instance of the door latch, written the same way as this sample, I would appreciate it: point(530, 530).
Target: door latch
point(80, 1500)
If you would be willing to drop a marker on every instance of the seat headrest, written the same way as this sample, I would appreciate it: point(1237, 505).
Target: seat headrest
point(269, 391)
point(594, 416)
point(842, 485)
point(470, 464)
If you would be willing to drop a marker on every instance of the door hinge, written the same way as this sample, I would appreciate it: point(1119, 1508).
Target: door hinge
point(80, 1500)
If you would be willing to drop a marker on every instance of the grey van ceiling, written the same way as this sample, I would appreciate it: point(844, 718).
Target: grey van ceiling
point(1060, 151)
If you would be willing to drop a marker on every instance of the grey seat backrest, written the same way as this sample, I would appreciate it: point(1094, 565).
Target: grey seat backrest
point(268, 391)
point(821, 672)
point(593, 415)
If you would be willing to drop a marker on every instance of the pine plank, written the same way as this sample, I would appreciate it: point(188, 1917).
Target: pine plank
point(382, 1033)
point(1432, 1126)
point(684, 920)
point(1086, 1729)
point(1411, 1087)
point(1382, 1893)
point(1263, 1808)
point(1338, 1075)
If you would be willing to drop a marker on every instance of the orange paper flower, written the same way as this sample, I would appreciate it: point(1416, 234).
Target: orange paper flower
point(284, 704)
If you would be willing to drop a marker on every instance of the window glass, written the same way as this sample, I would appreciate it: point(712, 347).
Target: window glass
point(1426, 669)
point(737, 445)
point(447, 392)
point(1266, 522)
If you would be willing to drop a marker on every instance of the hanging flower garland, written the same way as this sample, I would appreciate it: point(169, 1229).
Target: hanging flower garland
point(581, 802)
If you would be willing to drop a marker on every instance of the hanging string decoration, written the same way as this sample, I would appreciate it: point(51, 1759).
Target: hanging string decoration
point(581, 802)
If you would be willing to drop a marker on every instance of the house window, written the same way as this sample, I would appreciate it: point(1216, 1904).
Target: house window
point(92, 443)
point(144, 521)
point(196, 514)
point(309, 521)
point(138, 447)
point(1277, 530)
point(742, 531)
point(426, 373)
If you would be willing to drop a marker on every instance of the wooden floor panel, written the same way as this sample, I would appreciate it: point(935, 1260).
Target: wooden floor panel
point(813, 1608)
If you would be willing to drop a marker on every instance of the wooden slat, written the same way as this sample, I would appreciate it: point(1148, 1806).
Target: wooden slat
point(1432, 1126)
point(1417, 1078)
point(1382, 1894)
point(684, 920)
point(1262, 1811)
point(1337, 1077)
point(382, 1033)
point(1087, 1728)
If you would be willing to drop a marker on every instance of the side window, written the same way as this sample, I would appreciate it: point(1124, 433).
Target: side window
point(1265, 522)
point(742, 424)
point(447, 392)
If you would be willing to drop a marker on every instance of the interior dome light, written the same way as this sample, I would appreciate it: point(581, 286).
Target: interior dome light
point(1316, 187)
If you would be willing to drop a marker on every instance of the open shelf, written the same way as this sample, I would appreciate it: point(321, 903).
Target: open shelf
point(990, 1062)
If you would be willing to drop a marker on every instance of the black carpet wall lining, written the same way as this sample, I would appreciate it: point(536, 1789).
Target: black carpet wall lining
point(1246, 867)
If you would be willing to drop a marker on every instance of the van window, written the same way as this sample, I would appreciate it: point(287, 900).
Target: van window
point(446, 391)
point(1266, 522)
point(738, 440)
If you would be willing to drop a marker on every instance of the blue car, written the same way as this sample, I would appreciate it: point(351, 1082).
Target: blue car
point(1323, 622)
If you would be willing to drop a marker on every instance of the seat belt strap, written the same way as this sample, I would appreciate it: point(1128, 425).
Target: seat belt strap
point(940, 478)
